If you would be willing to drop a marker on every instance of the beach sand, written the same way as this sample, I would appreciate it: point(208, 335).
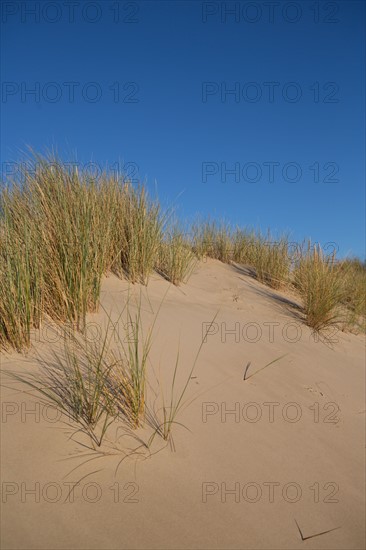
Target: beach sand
point(258, 463)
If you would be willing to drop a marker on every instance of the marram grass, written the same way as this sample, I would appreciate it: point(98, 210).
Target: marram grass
point(321, 287)
point(60, 231)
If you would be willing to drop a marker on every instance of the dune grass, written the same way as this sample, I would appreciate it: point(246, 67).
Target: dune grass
point(75, 381)
point(60, 231)
point(95, 381)
point(20, 278)
point(244, 243)
point(269, 256)
point(176, 259)
point(317, 279)
point(138, 234)
point(127, 379)
point(213, 240)
point(353, 273)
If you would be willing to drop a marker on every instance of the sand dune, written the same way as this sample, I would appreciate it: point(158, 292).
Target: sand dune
point(258, 463)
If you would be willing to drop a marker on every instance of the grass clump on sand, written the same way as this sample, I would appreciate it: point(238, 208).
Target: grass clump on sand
point(318, 281)
point(128, 377)
point(213, 240)
point(176, 259)
point(137, 234)
point(353, 273)
point(59, 227)
point(75, 380)
point(20, 287)
point(60, 231)
point(93, 381)
point(270, 258)
point(96, 382)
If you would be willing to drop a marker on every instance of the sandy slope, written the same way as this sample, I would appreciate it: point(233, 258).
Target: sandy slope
point(292, 451)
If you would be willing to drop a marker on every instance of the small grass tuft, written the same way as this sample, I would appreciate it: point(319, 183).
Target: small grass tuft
point(321, 288)
point(176, 260)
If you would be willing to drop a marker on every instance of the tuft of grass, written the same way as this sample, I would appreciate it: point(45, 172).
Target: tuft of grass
point(353, 274)
point(94, 382)
point(321, 288)
point(60, 231)
point(176, 260)
point(272, 261)
point(56, 229)
point(269, 257)
point(244, 242)
point(75, 381)
point(72, 228)
point(127, 379)
point(213, 240)
point(138, 234)
point(20, 279)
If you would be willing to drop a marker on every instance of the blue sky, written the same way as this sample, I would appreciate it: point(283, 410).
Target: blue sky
point(146, 85)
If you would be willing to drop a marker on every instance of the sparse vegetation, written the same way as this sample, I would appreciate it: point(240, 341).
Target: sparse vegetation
point(317, 278)
point(94, 381)
point(60, 231)
point(353, 273)
point(269, 256)
point(176, 259)
point(169, 412)
point(75, 380)
point(213, 240)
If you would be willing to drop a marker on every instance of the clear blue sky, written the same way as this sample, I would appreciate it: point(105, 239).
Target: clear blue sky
point(161, 70)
